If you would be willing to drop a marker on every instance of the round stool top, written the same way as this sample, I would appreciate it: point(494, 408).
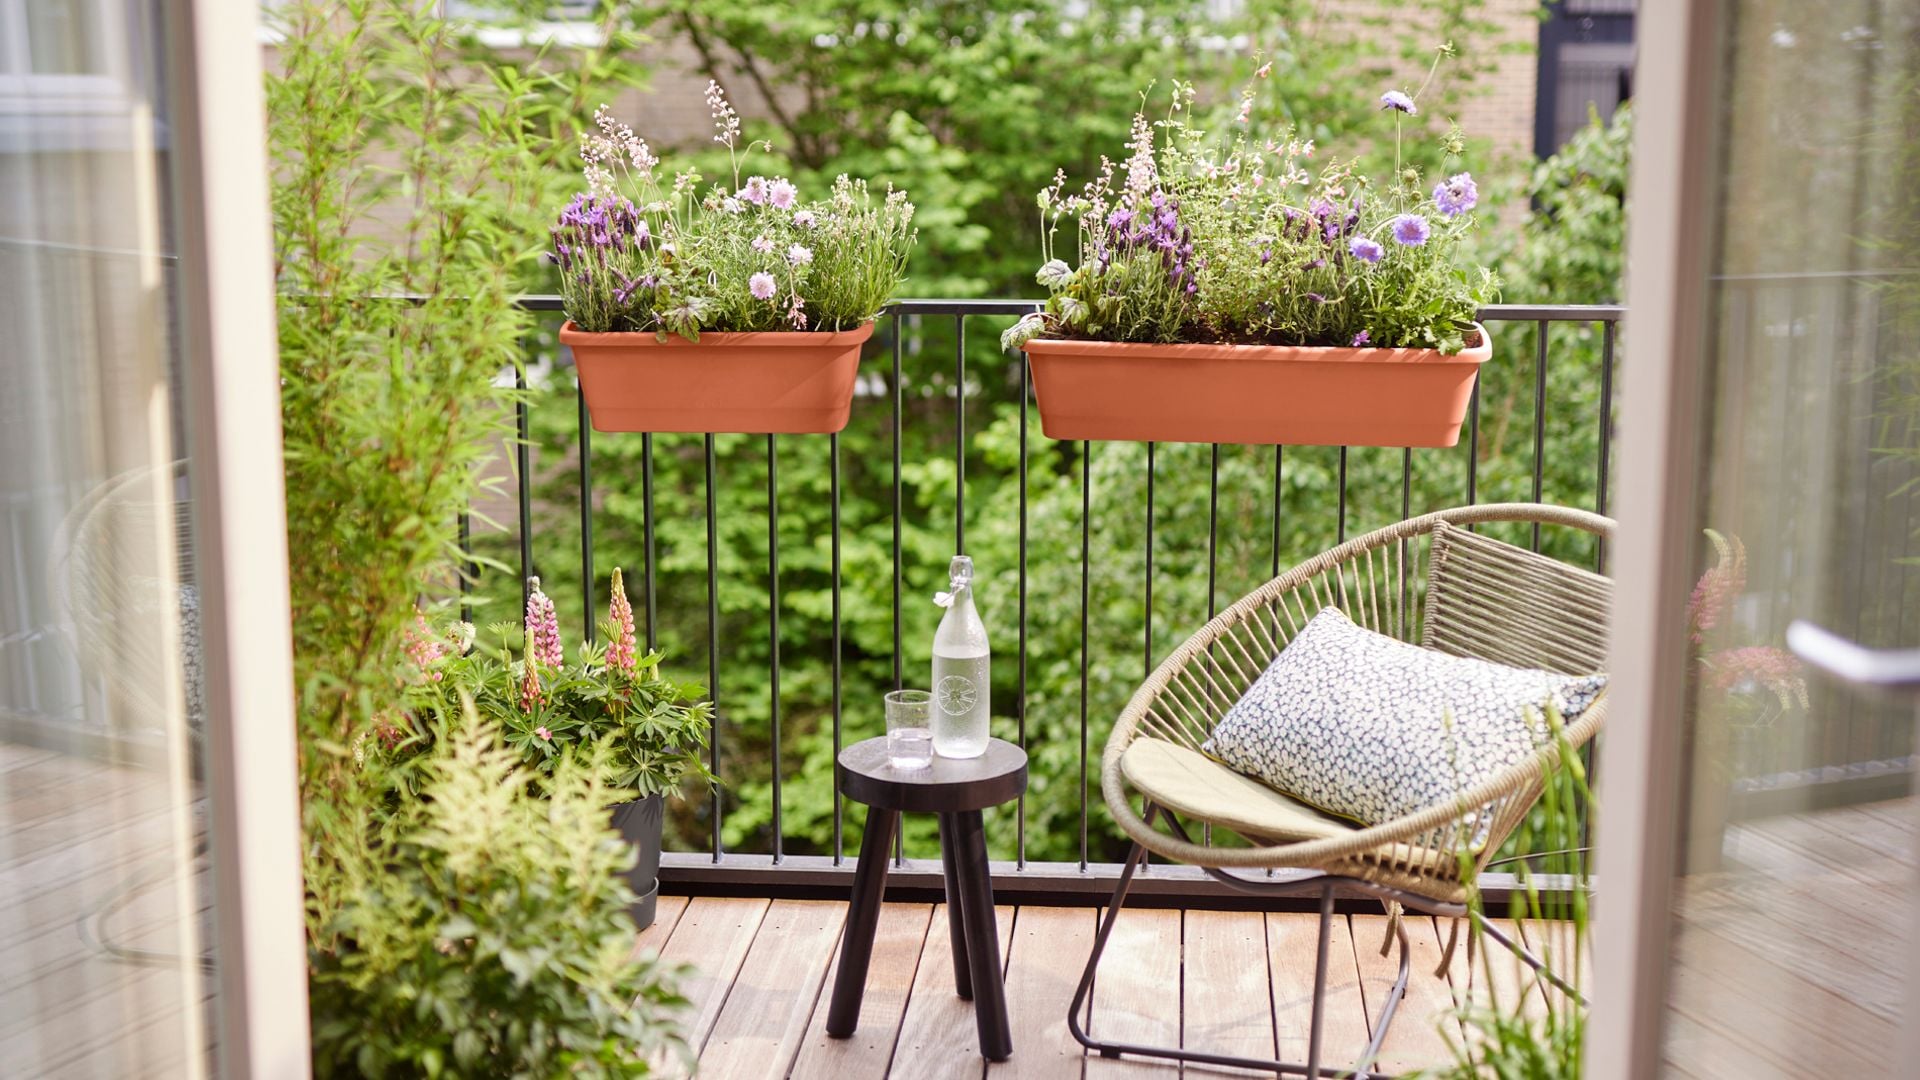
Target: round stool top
point(866, 775)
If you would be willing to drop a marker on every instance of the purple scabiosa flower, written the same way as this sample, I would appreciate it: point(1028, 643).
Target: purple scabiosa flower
point(1367, 251)
point(1316, 298)
point(731, 205)
point(781, 193)
point(762, 243)
point(762, 285)
point(803, 218)
point(1456, 194)
point(620, 651)
point(799, 255)
point(542, 626)
point(755, 190)
point(1394, 99)
point(1411, 230)
point(1361, 338)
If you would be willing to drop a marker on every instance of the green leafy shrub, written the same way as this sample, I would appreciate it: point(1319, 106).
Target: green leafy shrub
point(492, 938)
point(646, 731)
point(1197, 240)
point(740, 256)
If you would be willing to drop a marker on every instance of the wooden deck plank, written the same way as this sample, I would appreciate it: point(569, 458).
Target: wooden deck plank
point(765, 1018)
point(867, 1054)
point(1749, 997)
point(938, 1039)
point(1292, 947)
point(1413, 1039)
point(666, 915)
point(1049, 949)
point(714, 935)
point(1136, 995)
point(1226, 1001)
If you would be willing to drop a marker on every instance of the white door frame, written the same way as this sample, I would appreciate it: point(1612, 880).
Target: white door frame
point(1670, 246)
point(232, 393)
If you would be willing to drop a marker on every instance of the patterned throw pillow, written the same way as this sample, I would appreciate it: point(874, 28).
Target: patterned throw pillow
point(1366, 727)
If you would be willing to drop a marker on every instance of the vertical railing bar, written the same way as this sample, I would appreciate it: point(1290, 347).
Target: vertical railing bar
point(1086, 537)
point(899, 323)
point(773, 630)
point(1279, 467)
point(523, 458)
point(586, 514)
point(713, 647)
point(1146, 660)
point(833, 484)
point(1406, 511)
point(1213, 564)
point(1473, 445)
point(1606, 438)
point(1340, 529)
point(960, 435)
point(646, 501)
point(467, 570)
point(1539, 417)
point(1020, 688)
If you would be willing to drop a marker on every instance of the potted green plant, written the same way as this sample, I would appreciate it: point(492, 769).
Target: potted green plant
point(1225, 293)
point(611, 701)
point(736, 307)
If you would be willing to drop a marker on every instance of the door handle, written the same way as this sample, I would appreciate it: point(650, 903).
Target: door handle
point(1850, 661)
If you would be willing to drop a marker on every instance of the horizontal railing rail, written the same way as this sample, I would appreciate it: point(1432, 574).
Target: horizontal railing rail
point(718, 869)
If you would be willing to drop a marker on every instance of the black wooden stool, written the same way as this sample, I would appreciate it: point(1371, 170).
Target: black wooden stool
point(957, 790)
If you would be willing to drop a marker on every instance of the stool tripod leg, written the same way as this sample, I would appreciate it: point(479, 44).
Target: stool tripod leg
point(863, 919)
point(983, 943)
point(956, 923)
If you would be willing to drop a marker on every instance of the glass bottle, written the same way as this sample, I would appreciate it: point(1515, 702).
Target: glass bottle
point(961, 687)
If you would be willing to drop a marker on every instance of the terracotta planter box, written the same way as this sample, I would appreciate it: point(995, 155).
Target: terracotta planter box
point(756, 383)
point(1253, 393)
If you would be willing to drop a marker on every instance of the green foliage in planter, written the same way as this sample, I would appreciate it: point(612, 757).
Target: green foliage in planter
point(645, 731)
point(491, 938)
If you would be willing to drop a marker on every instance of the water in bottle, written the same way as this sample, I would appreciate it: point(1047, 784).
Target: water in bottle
point(961, 687)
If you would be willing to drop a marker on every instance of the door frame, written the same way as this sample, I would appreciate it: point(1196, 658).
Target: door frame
point(1642, 811)
point(231, 376)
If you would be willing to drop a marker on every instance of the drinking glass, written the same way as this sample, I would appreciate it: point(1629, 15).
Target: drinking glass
point(910, 729)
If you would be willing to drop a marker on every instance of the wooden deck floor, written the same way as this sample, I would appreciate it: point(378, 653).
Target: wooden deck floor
point(1236, 982)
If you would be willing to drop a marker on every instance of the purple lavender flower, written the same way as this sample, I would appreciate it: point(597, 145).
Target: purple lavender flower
point(1360, 339)
point(1367, 251)
point(1456, 195)
point(761, 285)
point(1411, 230)
point(1394, 99)
point(1316, 298)
point(642, 236)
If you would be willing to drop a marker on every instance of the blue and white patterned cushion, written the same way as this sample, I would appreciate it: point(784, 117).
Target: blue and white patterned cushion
point(1366, 727)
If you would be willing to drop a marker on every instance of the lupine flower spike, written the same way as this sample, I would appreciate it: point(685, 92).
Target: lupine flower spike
point(531, 694)
point(620, 651)
point(543, 627)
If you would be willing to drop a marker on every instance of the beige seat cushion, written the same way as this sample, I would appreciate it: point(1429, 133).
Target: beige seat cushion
point(1196, 786)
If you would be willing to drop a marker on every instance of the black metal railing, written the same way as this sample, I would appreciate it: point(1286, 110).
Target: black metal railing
point(721, 870)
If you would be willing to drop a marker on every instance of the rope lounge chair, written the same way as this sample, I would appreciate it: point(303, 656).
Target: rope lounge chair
point(1430, 580)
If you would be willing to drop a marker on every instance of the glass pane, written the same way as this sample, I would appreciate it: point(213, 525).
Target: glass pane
point(1798, 890)
point(103, 952)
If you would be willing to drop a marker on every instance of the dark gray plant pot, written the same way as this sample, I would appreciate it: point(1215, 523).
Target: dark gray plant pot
point(639, 823)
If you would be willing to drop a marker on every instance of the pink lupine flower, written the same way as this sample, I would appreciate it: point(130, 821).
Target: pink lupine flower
point(545, 735)
point(1759, 666)
point(620, 651)
point(1714, 593)
point(424, 647)
point(543, 627)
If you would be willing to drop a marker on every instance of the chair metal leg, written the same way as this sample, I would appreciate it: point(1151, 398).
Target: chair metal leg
point(956, 923)
point(1527, 957)
point(1312, 1068)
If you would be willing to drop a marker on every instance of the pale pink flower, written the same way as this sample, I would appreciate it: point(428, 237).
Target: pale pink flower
point(545, 735)
point(763, 243)
point(424, 647)
point(762, 285)
point(543, 627)
point(531, 695)
point(620, 651)
point(1714, 593)
point(781, 193)
point(755, 190)
point(799, 255)
point(803, 218)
